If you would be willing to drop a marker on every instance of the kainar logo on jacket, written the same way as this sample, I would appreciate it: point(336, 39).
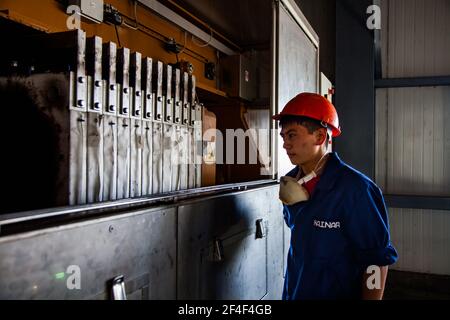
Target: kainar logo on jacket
point(327, 225)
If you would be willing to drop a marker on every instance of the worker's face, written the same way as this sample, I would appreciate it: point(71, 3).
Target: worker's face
point(301, 146)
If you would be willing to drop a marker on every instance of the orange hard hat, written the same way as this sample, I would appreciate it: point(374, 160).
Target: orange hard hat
point(313, 106)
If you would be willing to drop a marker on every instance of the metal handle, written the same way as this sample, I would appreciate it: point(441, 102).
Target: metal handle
point(260, 230)
point(118, 288)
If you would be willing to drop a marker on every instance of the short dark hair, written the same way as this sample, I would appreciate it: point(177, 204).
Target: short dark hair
point(310, 124)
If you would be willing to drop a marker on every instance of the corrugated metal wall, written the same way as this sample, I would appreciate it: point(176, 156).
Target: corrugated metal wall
point(413, 140)
point(413, 135)
point(422, 238)
point(415, 38)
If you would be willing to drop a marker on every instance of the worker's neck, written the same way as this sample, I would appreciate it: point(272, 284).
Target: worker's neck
point(309, 166)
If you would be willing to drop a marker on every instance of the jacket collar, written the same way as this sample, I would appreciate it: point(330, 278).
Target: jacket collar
point(330, 172)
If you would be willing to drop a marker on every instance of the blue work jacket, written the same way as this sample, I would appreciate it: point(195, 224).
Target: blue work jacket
point(341, 230)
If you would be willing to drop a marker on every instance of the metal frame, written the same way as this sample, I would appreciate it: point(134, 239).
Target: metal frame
point(298, 16)
point(93, 210)
point(355, 92)
point(413, 82)
point(418, 202)
point(377, 44)
point(293, 10)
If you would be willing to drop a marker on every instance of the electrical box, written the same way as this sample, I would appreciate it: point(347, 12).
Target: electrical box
point(238, 77)
point(326, 87)
point(92, 10)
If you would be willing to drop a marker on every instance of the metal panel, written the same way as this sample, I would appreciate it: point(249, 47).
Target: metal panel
point(147, 70)
point(157, 135)
point(298, 63)
point(417, 39)
point(147, 130)
point(95, 156)
point(140, 245)
point(109, 74)
point(176, 87)
point(123, 79)
point(168, 137)
point(78, 97)
point(95, 134)
point(136, 126)
point(124, 123)
point(110, 121)
point(198, 144)
point(186, 106)
point(123, 157)
point(422, 238)
point(413, 149)
point(168, 130)
point(184, 158)
point(136, 84)
point(177, 151)
point(136, 148)
point(94, 49)
point(51, 94)
point(158, 89)
point(110, 144)
point(249, 267)
point(355, 94)
point(147, 157)
point(78, 158)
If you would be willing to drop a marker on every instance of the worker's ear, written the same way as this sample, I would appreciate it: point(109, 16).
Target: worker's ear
point(321, 136)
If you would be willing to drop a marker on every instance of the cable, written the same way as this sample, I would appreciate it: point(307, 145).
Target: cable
point(205, 44)
point(185, 43)
point(118, 38)
point(136, 23)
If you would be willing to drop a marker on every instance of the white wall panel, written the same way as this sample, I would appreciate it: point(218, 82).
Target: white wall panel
point(413, 140)
point(412, 129)
point(415, 38)
point(422, 239)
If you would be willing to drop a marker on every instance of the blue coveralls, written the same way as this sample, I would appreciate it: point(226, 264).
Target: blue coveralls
point(335, 235)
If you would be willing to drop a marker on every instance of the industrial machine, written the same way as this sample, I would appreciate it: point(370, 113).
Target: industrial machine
point(117, 187)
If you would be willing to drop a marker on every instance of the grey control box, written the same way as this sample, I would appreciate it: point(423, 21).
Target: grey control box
point(91, 10)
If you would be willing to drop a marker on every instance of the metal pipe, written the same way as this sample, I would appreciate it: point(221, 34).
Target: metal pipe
point(186, 25)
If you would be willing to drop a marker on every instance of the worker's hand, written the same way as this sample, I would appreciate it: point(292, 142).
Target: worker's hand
point(291, 191)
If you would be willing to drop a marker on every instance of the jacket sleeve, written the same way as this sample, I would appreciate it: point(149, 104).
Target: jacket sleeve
point(290, 212)
point(367, 227)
